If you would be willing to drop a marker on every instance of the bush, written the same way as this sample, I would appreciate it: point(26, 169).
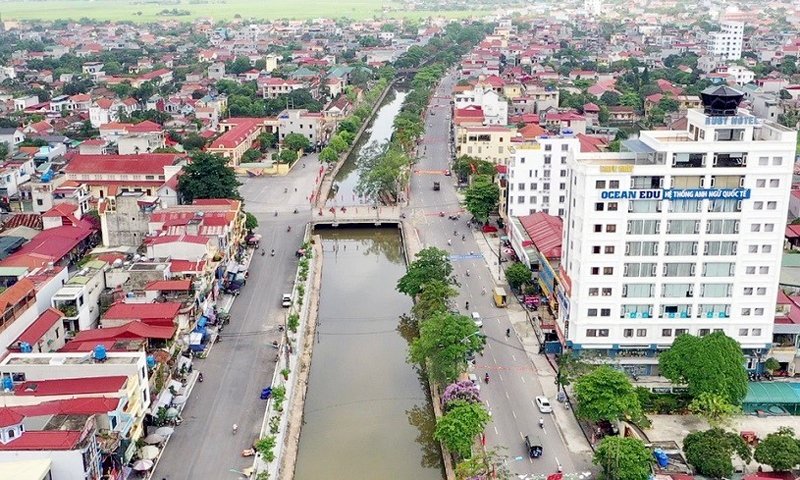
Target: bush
point(265, 447)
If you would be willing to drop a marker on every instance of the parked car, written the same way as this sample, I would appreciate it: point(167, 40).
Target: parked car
point(543, 404)
point(286, 301)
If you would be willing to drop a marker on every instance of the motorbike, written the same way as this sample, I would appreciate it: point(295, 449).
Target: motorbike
point(295, 210)
point(441, 214)
point(200, 377)
point(289, 229)
point(263, 252)
point(272, 253)
point(541, 423)
point(486, 378)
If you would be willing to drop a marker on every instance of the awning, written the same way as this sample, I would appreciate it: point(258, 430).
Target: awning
point(201, 322)
point(771, 393)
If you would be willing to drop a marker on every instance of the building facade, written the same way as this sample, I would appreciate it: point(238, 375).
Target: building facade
point(538, 176)
point(680, 232)
point(728, 41)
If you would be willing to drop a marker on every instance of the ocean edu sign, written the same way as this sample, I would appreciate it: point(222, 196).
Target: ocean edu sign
point(678, 194)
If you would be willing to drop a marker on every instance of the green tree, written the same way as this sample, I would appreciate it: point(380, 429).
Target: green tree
point(710, 451)
point(3, 150)
point(780, 450)
point(604, 115)
point(207, 176)
point(338, 144)
point(488, 464)
point(482, 197)
point(250, 222)
point(713, 363)
point(384, 173)
point(328, 154)
point(607, 394)
point(570, 368)
point(240, 65)
point(287, 156)
point(296, 141)
point(251, 155)
point(772, 363)
point(458, 427)
point(518, 274)
point(442, 346)
point(624, 458)
point(350, 124)
point(267, 140)
point(193, 141)
point(433, 299)
point(713, 407)
point(609, 98)
point(430, 264)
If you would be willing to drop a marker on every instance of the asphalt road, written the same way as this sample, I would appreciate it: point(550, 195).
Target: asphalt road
point(239, 366)
point(513, 382)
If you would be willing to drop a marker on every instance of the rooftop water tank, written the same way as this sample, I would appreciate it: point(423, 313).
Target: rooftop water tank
point(100, 353)
point(25, 347)
point(8, 384)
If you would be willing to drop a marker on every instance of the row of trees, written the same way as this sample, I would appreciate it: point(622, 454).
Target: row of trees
point(441, 348)
point(483, 194)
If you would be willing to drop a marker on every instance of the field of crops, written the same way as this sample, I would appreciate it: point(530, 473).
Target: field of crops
point(148, 11)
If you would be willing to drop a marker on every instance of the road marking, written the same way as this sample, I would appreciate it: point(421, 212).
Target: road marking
point(557, 462)
point(515, 359)
point(522, 378)
point(514, 414)
point(495, 430)
point(501, 376)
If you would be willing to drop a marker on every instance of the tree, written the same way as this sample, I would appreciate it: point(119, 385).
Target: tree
point(459, 426)
point(430, 264)
point(570, 368)
point(296, 141)
point(710, 451)
point(251, 155)
point(607, 394)
point(482, 465)
point(433, 299)
point(240, 65)
point(772, 363)
point(266, 140)
point(193, 141)
point(464, 391)
point(328, 154)
point(482, 198)
point(287, 156)
point(604, 115)
point(338, 144)
point(780, 450)
point(442, 346)
point(207, 176)
point(713, 407)
point(384, 173)
point(3, 150)
point(713, 363)
point(518, 274)
point(624, 458)
point(250, 222)
point(609, 98)
point(350, 124)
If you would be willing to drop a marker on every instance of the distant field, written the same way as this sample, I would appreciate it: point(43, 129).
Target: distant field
point(117, 10)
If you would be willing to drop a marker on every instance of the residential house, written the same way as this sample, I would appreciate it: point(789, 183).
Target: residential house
point(238, 136)
point(153, 314)
point(11, 137)
point(158, 77)
point(275, 87)
point(491, 144)
point(495, 108)
point(46, 334)
point(622, 114)
point(27, 101)
point(108, 174)
point(79, 298)
point(303, 122)
point(124, 217)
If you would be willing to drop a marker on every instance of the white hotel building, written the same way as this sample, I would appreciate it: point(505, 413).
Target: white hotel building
point(680, 232)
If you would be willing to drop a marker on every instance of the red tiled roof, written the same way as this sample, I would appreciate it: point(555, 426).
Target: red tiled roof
point(143, 163)
point(545, 232)
point(70, 406)
point(39, 327)
point(30, 220)
point(72, 386)
point(145, 127)
point(9, 417)
point(236, 135)
point(13, 294)
point(131, 330)
point(154, 74)
point(178, 266)
point(143, 311)
point(169, 285)
point(792, 231)
point(198, 239)
point(532, 131)
point(590, 144)
point(61, 210)
point(44, 440)
point(54, 243)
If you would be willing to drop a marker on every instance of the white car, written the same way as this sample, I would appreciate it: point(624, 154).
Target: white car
point(543, 404)
point(475, 381)
point(476, 317)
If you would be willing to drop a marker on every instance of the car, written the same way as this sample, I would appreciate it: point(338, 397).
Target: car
point(433, 113)
point(475, 381)
point(286, 300)
point(447, 173)
point(476, 318)
point(543, 404)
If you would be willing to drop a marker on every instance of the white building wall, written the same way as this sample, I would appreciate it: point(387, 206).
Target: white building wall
point(538, 176)
point(65, 464)
point(608, 307)
point(728, 41)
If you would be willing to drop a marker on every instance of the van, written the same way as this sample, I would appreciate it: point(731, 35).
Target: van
point(533, 446)
point(500, 298)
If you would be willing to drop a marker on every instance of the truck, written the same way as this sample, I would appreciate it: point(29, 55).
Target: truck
point(436, 186)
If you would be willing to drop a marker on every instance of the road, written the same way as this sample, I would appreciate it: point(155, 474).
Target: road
point(513, 381)
point(239, 366)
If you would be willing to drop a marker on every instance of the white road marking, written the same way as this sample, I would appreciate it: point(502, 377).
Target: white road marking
point(514, 358)
point(523, 379)
point(514, 414)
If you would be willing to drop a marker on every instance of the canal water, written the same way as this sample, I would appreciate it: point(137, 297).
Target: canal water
point(367, 413)
point(343, 193)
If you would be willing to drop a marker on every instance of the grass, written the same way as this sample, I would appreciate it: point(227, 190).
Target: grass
point(118, 10)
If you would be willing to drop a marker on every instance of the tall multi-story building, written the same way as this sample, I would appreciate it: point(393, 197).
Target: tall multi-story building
point(539, 175)
point(728, 41)
point(679, 232)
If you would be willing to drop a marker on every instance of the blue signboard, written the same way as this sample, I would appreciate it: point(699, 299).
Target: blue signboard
point(709, 193)
point(678, 194)
point(735, 120)
point(546, 275)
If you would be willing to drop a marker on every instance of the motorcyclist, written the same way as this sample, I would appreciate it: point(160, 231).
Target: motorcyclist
point(262, 252)
point(235, 427)
point(468, 273)
point(486, 377)
point(272, 253)
point(508, 332)
point(289, 228)
point(467, 306)
point(541, 422)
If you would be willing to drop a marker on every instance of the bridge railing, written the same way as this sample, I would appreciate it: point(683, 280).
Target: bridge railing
point(356, 213)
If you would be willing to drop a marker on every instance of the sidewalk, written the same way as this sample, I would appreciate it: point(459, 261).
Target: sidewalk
point(568, 427)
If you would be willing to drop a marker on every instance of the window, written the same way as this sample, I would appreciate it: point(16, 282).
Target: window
point(680, 248)
point(605, 312)
point(609, 249)
point(639, 270)
point(681, 331)
point(761, 291)
point(756, 227)
point(763, 270)
point(595, 270)
point(612, 206)
point(646, 182)
point(720, 248)
point(777, 161)
point(521, 186)
point(644, 227)
point(591, 332)
point(746, 312)
point(774, 183)
point(769, 227)
point(761, 183)
point(752, 249)
point(684, 206)
point(613, 184)
point(718, 227)
point(606, 292)
point(743, 332)
point(611, 228)
point(598, 228)
point(638, 290)
point(703, 332)
point(763, 161)
point(593, 292)
point(772, 205)
point(627, 333)
point(548, 147)
point(758, 205)
point(759, 311)
point(666, 332)
point(603, 332)
point(716, 290)
point(748, 290)
point(718, 269)
point(608, 270)
point(750, 270)
point(756, 332)
point(564, 147)
point(678, 269)
point(596, 249)
point(599, 207)
point(641, 332)
point(682, 227)
point(675, 290)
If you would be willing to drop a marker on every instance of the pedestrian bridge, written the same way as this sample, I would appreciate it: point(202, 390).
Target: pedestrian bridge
point(355, 215)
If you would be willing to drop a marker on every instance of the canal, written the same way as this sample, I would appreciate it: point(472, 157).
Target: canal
point(343, 193)
point(367, 413)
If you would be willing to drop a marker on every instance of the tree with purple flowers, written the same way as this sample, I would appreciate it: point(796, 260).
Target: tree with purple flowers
point(464, 390)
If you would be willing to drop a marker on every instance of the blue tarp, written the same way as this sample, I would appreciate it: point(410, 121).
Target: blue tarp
point(201, 322)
